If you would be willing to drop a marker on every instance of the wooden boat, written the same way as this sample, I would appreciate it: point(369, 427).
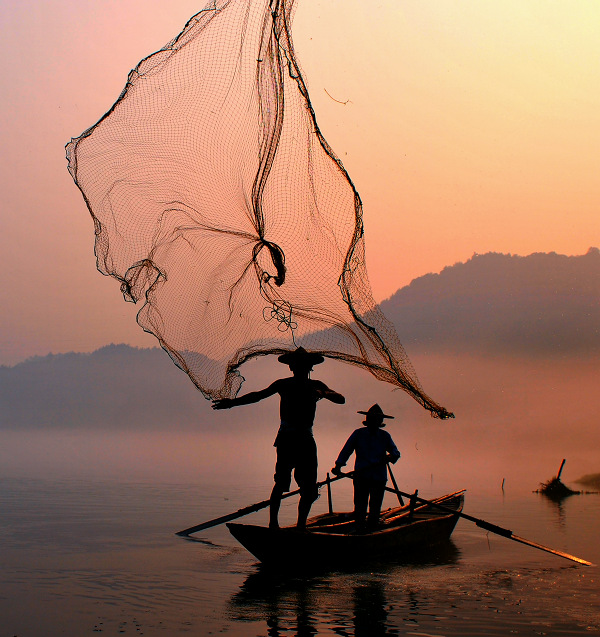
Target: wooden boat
point(405, 532)
point(334, 538)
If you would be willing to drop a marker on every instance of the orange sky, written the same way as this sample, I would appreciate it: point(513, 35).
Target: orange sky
point(471, 126)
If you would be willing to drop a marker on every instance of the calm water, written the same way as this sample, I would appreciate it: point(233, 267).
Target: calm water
point(85, 554)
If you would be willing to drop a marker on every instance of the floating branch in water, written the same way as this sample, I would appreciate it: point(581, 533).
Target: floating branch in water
point(554, 488)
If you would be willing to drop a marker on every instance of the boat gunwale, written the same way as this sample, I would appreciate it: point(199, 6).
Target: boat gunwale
point(395, 528)
point(397, 521)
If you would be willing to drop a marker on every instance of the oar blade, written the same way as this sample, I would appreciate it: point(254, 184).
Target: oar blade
point(224, 518)
point(535, 545)
point(498, 530)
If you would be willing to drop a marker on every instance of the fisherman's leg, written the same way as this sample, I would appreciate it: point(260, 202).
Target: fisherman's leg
point(283, 480)
point(361, 498)
point(306, 477)
point(376, 493)
point(306, 500)
point(274, 504)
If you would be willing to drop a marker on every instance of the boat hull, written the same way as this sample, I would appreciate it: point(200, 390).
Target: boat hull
point(400, 537)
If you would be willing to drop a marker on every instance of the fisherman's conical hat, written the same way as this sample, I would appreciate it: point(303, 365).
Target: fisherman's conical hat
point(300, 355)
point(375, 411)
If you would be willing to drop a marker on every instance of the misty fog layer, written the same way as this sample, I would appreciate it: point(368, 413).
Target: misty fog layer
point(509, 340)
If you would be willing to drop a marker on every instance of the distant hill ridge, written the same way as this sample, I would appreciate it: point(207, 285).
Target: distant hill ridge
point(115, 385)
point(544, 303)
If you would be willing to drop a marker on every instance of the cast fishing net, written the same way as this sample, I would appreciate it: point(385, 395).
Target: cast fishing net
point(218, 204)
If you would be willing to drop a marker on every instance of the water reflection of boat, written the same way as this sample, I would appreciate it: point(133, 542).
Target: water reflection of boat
point(348, 600)
point(332, 538)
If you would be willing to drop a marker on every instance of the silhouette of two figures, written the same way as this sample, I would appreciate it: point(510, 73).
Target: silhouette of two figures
point(297, 450)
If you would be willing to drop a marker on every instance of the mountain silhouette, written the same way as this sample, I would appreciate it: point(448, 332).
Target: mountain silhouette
point(115, 385)
point(544, 303)
point(538, 305)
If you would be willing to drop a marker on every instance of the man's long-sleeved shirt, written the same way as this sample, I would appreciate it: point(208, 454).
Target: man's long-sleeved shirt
point(371, 447)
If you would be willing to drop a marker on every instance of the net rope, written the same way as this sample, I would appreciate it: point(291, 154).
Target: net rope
point(218, 204)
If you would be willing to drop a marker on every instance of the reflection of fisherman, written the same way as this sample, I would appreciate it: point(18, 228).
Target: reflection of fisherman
point(374, 447)
point(296, 448)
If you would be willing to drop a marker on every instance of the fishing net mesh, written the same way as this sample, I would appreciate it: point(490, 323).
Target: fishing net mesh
point(219, 205)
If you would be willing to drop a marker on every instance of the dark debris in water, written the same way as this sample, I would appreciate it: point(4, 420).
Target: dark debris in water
point(556, 489)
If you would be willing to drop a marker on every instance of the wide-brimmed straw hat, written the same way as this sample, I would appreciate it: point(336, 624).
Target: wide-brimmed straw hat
point(300, 356)
point(375, 412)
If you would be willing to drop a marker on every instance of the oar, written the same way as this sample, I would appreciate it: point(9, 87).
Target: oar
point(405, 510)
point(254, 507)
point(396, 490)
point(265, 503)
point(497, 529)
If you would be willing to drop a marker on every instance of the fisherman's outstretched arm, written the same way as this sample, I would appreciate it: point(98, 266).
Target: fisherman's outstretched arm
point(246, 399)
point(333, 396)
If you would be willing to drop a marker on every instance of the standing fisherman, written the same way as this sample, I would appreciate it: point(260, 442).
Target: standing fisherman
point(374, 448)
point(295, 444)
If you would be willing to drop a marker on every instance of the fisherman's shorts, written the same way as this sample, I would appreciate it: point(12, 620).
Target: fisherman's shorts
point(298, 454)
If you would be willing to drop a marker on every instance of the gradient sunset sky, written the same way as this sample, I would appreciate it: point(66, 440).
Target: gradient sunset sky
point(467, 126)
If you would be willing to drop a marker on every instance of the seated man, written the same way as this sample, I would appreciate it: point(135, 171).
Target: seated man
point(374, 448)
